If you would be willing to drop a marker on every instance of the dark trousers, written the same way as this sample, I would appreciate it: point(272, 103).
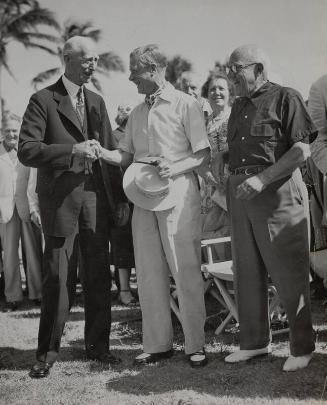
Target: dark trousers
point(270, 237)
point(59, 284)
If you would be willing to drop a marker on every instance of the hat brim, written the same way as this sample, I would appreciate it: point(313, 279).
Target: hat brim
point(153, 203)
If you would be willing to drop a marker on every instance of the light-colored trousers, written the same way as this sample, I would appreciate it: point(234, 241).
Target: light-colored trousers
point(168, 242)
point(10, 234)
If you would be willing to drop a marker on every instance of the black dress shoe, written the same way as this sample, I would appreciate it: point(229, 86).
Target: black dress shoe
point(148, 358)
point(11, 306)
point(37, 302)
point(40, 369)
point(198, 359)
point(105, 358)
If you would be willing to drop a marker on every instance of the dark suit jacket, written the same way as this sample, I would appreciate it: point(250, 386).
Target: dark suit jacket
point(50, 128)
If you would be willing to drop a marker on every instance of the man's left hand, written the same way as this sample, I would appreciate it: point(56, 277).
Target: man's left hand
point(249, 188)
point(165, 168)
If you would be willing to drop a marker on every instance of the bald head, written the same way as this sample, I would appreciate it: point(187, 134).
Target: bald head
point(248, 69)
point(80, 59)
point(251, 53)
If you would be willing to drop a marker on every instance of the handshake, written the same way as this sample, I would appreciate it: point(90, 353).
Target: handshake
point(90, 150)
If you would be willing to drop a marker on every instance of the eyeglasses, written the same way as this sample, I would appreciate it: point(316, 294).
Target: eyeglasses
point(234, 68)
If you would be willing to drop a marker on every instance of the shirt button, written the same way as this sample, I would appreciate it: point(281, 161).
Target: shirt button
point(245, 116)
point(243, 160)
point(242, 138)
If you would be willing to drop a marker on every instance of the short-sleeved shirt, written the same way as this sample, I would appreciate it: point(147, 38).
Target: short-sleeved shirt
point(174, 127)
point(265, 126)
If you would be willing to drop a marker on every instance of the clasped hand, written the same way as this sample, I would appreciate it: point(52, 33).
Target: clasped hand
point(89, 150)
point(165, 167)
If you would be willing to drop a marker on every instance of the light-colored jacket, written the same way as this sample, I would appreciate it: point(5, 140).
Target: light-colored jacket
point(317, 105)
point(14, 181)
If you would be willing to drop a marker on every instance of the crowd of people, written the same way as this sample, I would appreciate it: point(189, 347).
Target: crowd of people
point(188, 163)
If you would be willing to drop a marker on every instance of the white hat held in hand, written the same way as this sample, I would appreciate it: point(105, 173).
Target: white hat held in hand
point(146, 189)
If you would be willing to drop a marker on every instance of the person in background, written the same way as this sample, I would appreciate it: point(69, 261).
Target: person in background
point(169, 128)
point(17, 220)
point(219, 92)
point(268, 136)
point(190, 83)
point(317, 166)
point(2, 276)
point(121, 239)
point(62, 130)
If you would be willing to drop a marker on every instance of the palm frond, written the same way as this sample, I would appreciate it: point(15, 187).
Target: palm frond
point(46, 75)
point(27, 36)
point(29, 44)
point(72, 28)
point(4, 63)
point(32, 18)
point(109, 61)
point(96, 84)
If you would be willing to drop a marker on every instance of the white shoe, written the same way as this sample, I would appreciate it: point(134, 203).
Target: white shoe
point(296, 363)
point(243, 355)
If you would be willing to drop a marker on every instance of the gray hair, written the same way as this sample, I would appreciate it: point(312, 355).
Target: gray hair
point(77, 44)
point(150, 54)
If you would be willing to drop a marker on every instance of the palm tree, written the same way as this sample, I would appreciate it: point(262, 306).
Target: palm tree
point(19, 21)
point(176, 66)
point(108, 61)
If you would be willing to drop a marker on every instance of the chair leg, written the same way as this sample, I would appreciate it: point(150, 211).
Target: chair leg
point(227, 298)
point(221, 327)
point(174, 308)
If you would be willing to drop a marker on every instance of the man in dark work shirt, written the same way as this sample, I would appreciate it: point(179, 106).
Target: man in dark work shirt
point(269, 132)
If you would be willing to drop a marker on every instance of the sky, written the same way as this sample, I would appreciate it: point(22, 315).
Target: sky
point(292, 32)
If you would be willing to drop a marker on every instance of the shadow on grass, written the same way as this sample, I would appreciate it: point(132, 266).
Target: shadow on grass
point(17, 359)
point(118, 313)
point(255, 378)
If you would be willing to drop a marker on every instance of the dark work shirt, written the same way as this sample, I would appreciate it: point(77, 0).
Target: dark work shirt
point(265, 126)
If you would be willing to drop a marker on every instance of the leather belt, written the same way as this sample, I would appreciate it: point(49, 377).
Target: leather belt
point(249, 170)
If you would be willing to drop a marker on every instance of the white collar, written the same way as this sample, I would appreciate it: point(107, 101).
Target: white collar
point(71, 87)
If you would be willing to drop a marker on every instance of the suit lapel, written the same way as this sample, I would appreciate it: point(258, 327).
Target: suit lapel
point(66, 108)
point(92, 115)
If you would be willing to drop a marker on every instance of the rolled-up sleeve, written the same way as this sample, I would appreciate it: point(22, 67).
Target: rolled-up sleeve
point(194, 125)
point(297, 123)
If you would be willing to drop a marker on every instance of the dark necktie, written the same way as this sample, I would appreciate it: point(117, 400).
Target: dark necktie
point(150, 99)
point(80, 105)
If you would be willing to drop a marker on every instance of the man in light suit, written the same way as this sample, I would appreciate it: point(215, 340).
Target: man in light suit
point(62, 130)
point(16, 220)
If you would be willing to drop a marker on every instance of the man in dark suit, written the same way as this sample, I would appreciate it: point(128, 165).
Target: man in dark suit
point(63, 128)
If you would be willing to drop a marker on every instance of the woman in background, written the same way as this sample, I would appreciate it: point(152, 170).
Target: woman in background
point(122, 251)
point(219, 92)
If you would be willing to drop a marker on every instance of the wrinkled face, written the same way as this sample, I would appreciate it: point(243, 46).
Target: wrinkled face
point(189, 86)
point(218, 94)
point(81, 65)
point(243, 78)
point(142, 77)
point(11, 133)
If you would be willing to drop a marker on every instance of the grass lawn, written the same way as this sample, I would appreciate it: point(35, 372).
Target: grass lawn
point(76, 380)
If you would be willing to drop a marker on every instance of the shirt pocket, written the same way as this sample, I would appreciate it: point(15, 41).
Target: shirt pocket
point(264, 131)
point(263, 128)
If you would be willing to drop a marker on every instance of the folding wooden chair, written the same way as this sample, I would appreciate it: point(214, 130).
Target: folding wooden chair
point(221, 272)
